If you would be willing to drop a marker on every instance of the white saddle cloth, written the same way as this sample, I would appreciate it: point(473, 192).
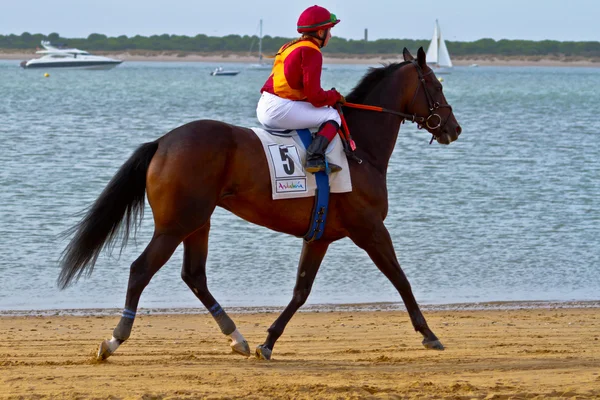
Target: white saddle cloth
point(286, 154)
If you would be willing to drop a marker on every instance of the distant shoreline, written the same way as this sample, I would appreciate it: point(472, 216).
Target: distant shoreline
point(351, 307)
point(369, 59)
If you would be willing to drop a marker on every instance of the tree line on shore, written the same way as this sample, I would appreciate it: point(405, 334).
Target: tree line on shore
point(270, 45)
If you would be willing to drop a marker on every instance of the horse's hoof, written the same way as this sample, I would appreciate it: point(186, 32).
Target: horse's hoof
point(263, 353)
point(104, 351)
point(241, 348)
point(433, 344)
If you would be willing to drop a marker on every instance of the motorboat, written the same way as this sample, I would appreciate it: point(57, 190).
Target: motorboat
point(219, 71)
point(58, 57)
point(437, 55)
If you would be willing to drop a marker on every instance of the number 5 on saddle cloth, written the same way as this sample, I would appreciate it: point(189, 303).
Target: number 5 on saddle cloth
point(286, 152)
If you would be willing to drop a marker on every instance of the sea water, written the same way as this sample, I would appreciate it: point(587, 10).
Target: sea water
point(508, 212)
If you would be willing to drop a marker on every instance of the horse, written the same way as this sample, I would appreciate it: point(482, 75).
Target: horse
point(196, 167)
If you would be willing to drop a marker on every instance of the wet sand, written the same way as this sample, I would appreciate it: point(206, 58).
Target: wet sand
point(485, 60)
point(535, 353)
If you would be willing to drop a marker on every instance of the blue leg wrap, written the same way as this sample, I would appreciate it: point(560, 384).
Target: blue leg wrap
point(128, 314)
point(225, 323)
point(123, 329)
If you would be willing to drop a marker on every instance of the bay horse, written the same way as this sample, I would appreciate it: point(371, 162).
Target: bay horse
point(204, 164)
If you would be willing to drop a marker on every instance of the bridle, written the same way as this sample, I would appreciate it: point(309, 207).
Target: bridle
point(421, 122)
point(433, 105)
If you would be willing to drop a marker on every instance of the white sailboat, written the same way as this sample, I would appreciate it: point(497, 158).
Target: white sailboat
point(438, 57)
point(261, 64)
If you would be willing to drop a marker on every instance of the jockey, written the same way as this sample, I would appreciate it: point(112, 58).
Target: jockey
point(292, 97)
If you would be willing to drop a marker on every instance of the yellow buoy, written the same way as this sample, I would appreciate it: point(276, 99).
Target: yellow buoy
point(46, 75)
point(441, 79)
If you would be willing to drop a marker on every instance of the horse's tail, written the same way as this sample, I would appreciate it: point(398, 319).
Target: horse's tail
point(122, 199)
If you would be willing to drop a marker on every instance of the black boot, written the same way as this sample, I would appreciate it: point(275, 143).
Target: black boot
point(315, 156)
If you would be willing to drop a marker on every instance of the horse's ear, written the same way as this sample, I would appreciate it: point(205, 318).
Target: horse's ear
point(421, 57)
point(407, 55)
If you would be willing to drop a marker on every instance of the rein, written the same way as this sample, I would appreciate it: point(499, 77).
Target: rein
point(420, 121)
point(411, 117)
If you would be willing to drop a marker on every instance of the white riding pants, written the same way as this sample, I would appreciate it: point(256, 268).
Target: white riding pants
point(275, 112)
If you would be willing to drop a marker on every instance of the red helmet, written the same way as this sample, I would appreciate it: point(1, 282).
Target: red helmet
point(314, 18)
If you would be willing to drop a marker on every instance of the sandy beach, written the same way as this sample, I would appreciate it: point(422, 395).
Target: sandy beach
point(517, 61)
point(536, 353)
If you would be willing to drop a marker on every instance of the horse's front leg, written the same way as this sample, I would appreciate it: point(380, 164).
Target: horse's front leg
point(378, 244)
point(310, 261)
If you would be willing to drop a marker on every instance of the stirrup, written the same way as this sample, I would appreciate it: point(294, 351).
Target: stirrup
point(328, 167)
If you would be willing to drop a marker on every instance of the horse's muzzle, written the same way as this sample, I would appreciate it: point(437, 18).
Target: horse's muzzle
point(449, 134)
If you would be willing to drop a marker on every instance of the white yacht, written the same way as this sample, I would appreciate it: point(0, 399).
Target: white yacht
point(54, 57)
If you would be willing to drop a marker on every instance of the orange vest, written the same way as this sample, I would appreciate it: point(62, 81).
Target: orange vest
point(280, 84)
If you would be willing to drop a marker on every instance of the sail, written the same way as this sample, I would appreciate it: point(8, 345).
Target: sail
point(261, 62)
point(432, 51)
point(260, 56)
point(443, 55)
point(437, 53)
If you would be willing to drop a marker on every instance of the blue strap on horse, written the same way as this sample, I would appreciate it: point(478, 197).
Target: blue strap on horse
point(317, 225)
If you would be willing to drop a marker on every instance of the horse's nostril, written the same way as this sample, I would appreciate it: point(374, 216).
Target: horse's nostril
point(458, 130)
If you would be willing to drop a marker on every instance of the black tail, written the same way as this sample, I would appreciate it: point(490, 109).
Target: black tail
point(123, 198)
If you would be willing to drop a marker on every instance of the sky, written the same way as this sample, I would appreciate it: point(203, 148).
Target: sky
point(460, 20)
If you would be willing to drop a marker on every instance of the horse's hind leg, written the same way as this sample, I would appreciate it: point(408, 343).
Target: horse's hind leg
point(193, 273)
point(310, 261)
point(156, 254)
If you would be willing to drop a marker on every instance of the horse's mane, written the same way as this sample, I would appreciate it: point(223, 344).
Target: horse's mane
point(371, 79)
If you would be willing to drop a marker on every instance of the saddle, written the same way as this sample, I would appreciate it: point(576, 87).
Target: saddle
point(285, 151)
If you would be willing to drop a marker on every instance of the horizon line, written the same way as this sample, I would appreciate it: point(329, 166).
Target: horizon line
point(283, 37)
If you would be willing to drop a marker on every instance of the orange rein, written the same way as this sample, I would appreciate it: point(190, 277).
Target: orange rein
point(363, 107)
point(410, 117)
point(346, 131)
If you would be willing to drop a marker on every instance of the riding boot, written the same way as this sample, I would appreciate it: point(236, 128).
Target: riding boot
point(315, 153)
